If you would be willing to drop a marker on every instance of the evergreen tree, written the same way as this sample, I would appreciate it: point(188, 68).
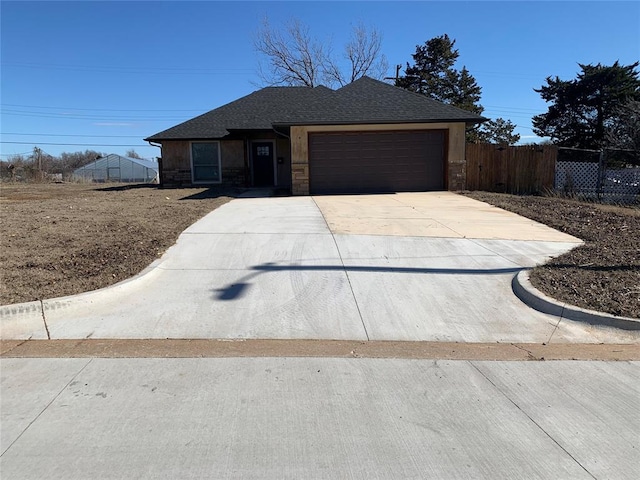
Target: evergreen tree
point(625, 134)
point(498, 131)
point(465, 92)
point(585, 109)
point(433, 73)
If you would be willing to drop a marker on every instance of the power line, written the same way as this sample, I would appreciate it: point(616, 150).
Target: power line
point(98, 109)
point(507, 114)
point(514, 109)
point(72, 135)
point(509, 74)
point(526, 128)
point(77, 144)
point(132, 70)
point(12, 154)
point(85, 117)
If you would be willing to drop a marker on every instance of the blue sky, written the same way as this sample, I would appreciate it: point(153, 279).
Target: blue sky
point(104, 75)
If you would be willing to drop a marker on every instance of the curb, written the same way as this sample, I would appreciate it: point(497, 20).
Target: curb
point(37, 306)
point(537, 300)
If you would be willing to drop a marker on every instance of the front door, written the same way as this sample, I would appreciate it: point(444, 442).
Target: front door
point(262, 157)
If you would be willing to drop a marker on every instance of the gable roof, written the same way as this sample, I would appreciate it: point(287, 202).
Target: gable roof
point(377, 101)
point(364, 101)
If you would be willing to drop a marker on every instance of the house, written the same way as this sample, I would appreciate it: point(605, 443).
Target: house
point(367, 136)
point(116, 168)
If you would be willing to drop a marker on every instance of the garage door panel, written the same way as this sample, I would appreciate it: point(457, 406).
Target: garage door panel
point(355, 162)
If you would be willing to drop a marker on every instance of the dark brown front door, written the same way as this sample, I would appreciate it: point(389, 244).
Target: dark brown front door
point(262, 158)
point(380, 161)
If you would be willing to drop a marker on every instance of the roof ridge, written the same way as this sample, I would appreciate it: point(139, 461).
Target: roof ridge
point(400, 89)
point(365, 100)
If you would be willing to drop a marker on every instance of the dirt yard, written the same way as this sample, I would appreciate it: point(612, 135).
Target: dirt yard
point(61, 239)
point(604, 273)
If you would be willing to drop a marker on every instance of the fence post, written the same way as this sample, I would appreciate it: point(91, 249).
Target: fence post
point(602, 169)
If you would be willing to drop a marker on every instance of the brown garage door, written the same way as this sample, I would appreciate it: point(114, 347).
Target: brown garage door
point(360, 162)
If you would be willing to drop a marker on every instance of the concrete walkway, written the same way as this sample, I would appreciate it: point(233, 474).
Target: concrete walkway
point(292, 418)
point(420, 266)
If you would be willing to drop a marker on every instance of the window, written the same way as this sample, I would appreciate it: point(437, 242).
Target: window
point(263, 151)
point(205, 162)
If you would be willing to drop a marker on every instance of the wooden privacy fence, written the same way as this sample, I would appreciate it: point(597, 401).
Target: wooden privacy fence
point(522, 169)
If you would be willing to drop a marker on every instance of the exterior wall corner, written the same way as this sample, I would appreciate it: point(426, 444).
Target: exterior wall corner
point(299, 161)
point(456, 158)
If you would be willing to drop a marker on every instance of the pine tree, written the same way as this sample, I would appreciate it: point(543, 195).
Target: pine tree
point(466, 92)
point(498, 131)
point(585, 109)
point(432, 73)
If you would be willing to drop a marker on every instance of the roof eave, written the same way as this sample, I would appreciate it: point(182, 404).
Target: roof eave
point(382, 122)
point(178, 139)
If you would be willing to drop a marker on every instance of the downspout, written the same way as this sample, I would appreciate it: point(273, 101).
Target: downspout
point(160, 177)
point(281, 134)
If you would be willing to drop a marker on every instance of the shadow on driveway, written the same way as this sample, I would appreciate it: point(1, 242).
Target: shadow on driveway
point(239, 289)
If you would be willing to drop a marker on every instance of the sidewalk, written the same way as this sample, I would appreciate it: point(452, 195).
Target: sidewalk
point(275, 418)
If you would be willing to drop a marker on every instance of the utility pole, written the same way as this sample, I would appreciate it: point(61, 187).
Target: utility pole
point(397, 77)
point(38, 154)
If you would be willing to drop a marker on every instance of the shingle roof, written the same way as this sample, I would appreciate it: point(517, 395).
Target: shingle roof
point(377, 101)
point(363, 101)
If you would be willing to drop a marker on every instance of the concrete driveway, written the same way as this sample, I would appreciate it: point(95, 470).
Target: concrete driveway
point(415, 266)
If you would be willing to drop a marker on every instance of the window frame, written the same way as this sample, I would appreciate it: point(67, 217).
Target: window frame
point(193, 167)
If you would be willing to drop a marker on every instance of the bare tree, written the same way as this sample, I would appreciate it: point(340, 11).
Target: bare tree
point(294, 57)
point(132, 154)
point(364, 55)
point(69, 161)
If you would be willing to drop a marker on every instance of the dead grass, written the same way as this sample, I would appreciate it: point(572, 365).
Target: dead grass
point(604, 273)
point(62, 239)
